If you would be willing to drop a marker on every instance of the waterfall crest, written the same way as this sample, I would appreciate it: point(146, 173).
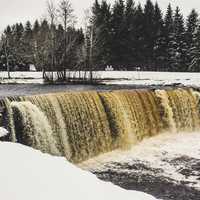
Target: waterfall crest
point(81, 125)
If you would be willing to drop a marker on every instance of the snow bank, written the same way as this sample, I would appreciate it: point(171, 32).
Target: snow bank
point(28, 174)
point(3, 132)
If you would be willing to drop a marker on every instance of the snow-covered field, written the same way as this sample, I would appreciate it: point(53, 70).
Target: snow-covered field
point(27, 174)
point(116, 77)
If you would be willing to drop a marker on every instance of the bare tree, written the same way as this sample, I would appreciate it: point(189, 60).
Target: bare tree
point(89, 35)
point(67, 17)
point(52, 15)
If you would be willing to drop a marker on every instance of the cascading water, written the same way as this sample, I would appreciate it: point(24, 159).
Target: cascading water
point(82, 125)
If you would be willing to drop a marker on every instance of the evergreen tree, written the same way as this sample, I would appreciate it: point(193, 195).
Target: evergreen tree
point(102, 40)
point(191, 26)
point(178, 44)
point(42, 46)
point(168, 36)
point(28, 43)
point(36, 27)
point(139, 36)
point(17, 45)
point(118, 34)
point(159, 38)
point(130, 50)
point(195, 51)
point(149, 13)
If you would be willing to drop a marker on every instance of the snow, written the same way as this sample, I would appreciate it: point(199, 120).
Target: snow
point(156, 152)
point(21, 78)
point(28, 174)
point(151, 78)
point(116, 77)
point(3, 132)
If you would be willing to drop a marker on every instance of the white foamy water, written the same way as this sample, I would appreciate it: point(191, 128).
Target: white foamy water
point(157, 153)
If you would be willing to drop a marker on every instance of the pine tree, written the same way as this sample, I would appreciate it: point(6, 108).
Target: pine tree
point(191, 26)
point(178, 44)
point(18, 46)
point(168, 37)
point(92, 36)
point(139, 36)
point(103, 35)
point(195, 51)
point(36, 27)
point(130, 50)
point(41, 46)
point(118, 34)
point(159, 37)
point(28, 43)
point(149, 13)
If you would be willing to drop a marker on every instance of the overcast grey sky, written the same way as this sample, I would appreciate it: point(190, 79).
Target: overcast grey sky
point(12, 11)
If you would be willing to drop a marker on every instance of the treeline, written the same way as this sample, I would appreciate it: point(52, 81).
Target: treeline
point(52, 44)
point(31, 44)
point(124, 35)
point(128, 36)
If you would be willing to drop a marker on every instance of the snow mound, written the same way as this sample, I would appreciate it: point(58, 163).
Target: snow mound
point(28, 174)
point(3, 132)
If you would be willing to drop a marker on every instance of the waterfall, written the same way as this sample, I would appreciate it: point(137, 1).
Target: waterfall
point(81, 125)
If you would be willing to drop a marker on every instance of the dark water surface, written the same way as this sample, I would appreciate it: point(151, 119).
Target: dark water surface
point(7, 90)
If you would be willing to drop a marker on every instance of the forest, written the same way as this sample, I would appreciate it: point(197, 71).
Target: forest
point(124, 35)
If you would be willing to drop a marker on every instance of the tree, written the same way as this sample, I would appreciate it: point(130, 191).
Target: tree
point(178, 44)
point(41, 46)
point(159, 40)
point(191, 26)
point(5, 48)
point(67, 17)
point(129, 40)
point(149, 34)
point(168, 36)
point(52, 15)
point(17, 44)
point(101, 28)
point(139, 36)
point(36, 27)
point(118, 34)
point(195, 51)
point(28, 44)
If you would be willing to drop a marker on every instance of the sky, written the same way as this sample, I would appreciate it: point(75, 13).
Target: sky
point(12, 11)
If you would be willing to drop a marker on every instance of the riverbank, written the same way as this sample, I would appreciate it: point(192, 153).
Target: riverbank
point(113, 78)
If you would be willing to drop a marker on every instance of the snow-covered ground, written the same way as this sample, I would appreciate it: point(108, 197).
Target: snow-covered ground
point(28, 174)
point(21, 77)
point(116, 77)
point(151, 78)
